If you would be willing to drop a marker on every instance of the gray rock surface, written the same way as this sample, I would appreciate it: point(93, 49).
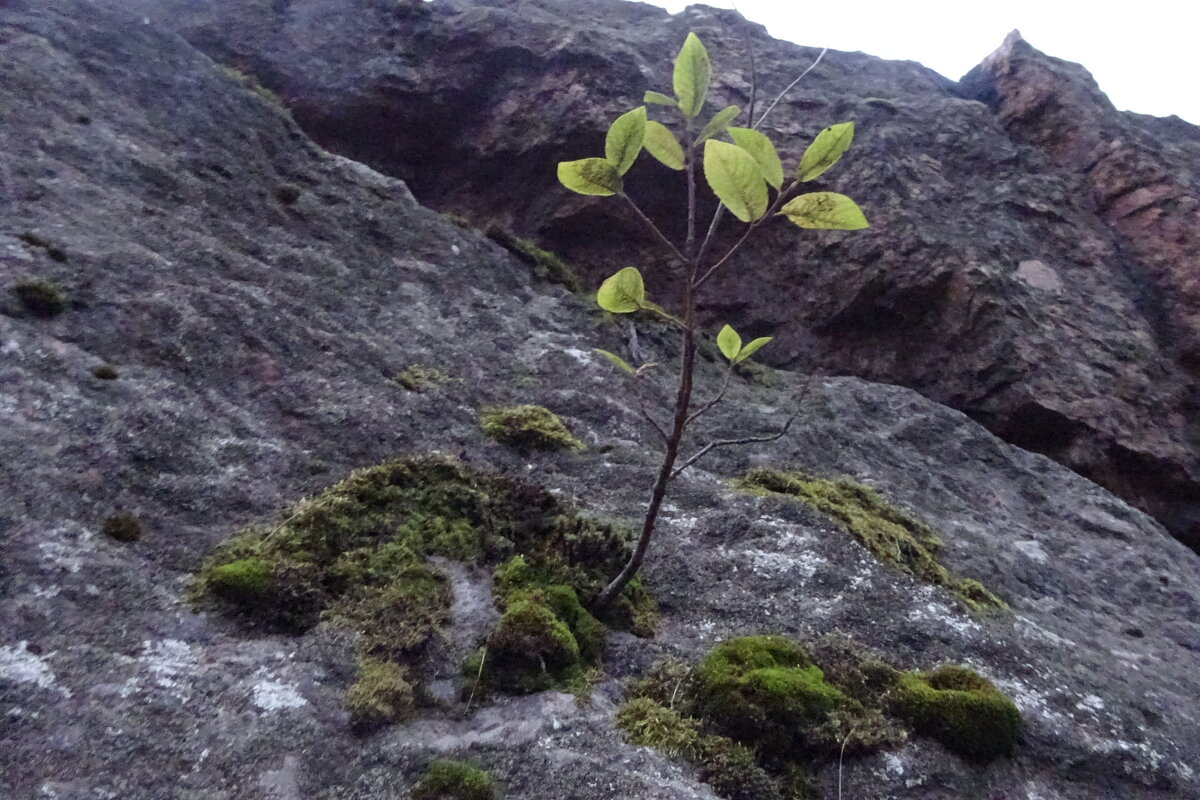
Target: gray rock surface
point(255, 341)
point(473, 101)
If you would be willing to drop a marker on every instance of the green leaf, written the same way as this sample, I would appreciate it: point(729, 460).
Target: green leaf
point(624, 139)
point(658, 99)
point(623, 292)
point(729, 342)
point(693, 71)
point(718, 123)
point(617, 361)
point(594, 176)
point(750, 349)
point(763, 150)
point(663, 145)
point(825, 150)
point(825, 210)
point(736, 179)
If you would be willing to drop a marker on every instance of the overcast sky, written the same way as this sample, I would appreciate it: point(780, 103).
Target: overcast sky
point(1143, 54)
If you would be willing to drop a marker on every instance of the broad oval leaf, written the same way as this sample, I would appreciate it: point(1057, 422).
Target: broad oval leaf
point(623, 292)
point(624, 139)
point(663, 145)
point(825, 210)
point(594, 176)
point(729, 342)
point(718, 123)
point(825, 150)
point(616, 360)
point(763, 151)
point(751, 348)
point(736, 179)
point(658, 99)
point(693, 71)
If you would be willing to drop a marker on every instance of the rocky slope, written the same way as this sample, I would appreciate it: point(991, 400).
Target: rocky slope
point(1032, 260)
point(255, 296)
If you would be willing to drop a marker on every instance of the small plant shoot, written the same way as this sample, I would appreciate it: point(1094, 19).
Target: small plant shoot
point(742, 168)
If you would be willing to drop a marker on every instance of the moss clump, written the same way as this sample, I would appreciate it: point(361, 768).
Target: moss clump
point(288, 193)
point(55, 252)
point(41, 298)
point(765, 691)
point(887, 532)
point(418, 377)
point(546, 265)
point(758, 712)
point(357, 556)
point(528, 427)
point(123, 527)
point(105, 372)
point(251, 82)
point(545, 637)
point(455, 780)
point(244, 582)
point(730, 768)
point(380, 694)
point(961, 709)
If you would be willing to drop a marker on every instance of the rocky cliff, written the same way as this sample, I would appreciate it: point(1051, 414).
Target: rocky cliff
point(203, 314)
point(1033, 259)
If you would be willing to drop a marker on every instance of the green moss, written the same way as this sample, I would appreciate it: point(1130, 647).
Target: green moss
point(961, 709)
point(766, 692)
point(528, 427)
point(105, 372)
point(380, 694)
point(887, 532)
point(546, 265)
point(730, 768)
point(251, 82)
point(357, 555)
point(41, 298)
point(123, 527)
point(418, 377)
point(455, 780)
point(55, 252)
point(245, 581)
point(545, 637)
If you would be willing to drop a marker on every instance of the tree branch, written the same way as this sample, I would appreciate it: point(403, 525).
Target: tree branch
point(790, 86)
point(655, 229)
point(704, 409)
point(703, 451)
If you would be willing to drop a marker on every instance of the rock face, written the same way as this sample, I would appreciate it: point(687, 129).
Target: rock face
point(1032, 263)
point(255, 295)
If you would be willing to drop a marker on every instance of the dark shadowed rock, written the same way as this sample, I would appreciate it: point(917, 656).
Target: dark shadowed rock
point(257, 333)
point(1034, 268)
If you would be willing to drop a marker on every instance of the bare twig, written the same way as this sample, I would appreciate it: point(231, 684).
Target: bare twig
point(655, 229)
point(703, 451)
point(646, 413)
point(478, 677)
point(841, 757)
point(779, 198)
point(704, 409)
point(790, 86)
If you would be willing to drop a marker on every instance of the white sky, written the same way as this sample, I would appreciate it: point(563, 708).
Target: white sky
point(1144, 54)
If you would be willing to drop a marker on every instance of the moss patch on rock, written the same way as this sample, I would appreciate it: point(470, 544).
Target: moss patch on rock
point(961, 709)
point(380, 694)
point(891, 535)
point(546, 265)
point(419, 377)
point(41, 298)
point(758, 713)
point(455, 780)
point(123, 527)
point(528, 427)
point(357, 556)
